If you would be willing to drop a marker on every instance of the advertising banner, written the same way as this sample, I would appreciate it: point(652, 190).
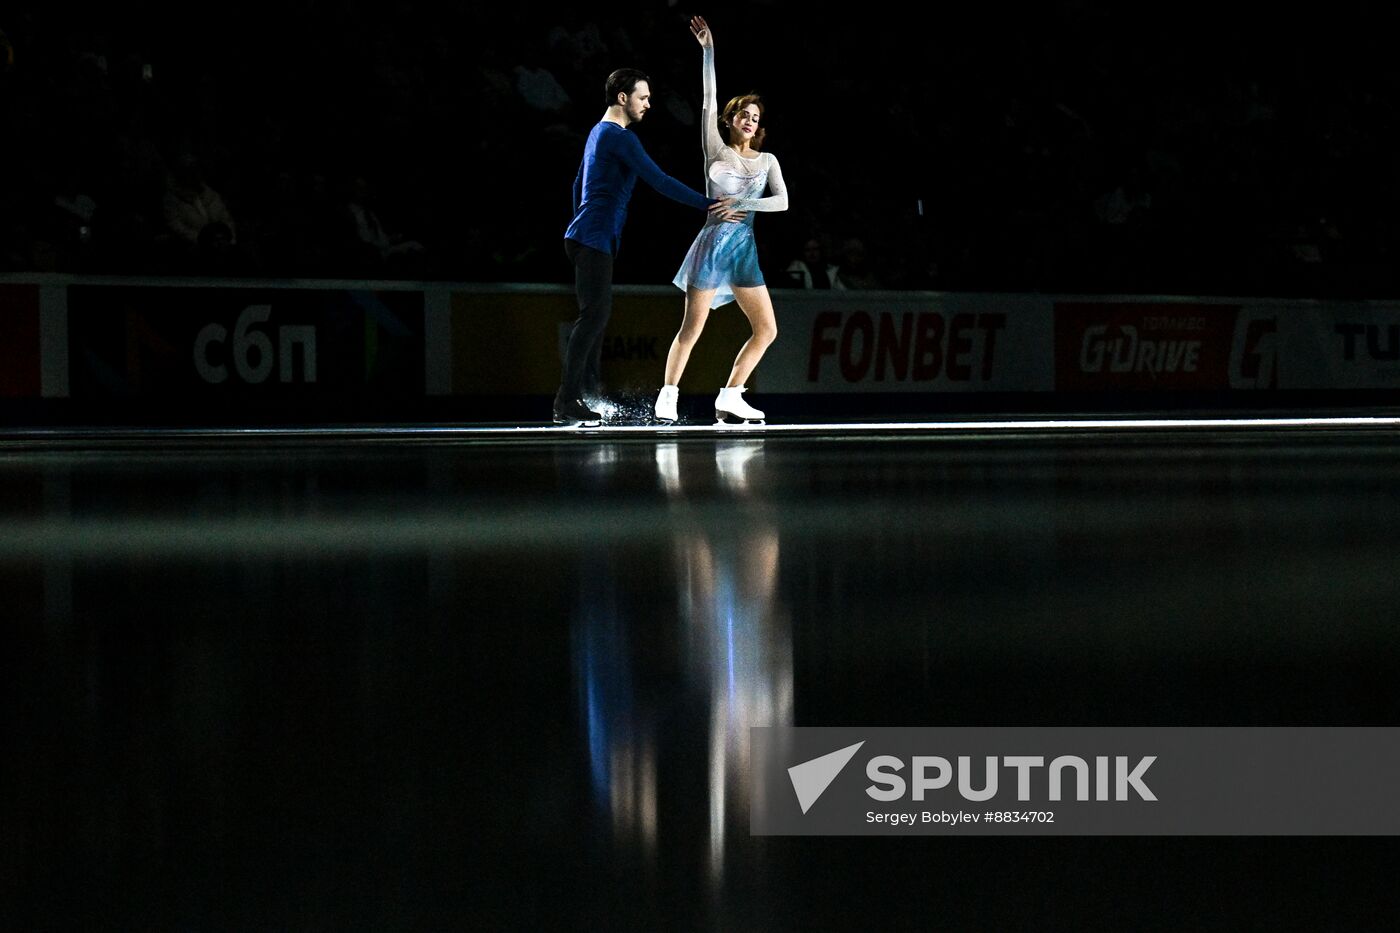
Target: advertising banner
point(19, 341)
point(1137, 346)
point(908, 342)
point(512, 343)
point(182, 345)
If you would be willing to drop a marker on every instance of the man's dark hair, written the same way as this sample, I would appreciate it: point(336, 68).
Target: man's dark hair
point(624, 81)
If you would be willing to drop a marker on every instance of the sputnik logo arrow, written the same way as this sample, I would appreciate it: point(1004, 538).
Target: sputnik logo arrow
point(811, 778)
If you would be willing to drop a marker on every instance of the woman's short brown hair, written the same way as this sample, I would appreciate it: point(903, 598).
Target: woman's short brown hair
point(733, 107)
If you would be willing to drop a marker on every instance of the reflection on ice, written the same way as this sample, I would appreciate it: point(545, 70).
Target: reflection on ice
point(713, 607)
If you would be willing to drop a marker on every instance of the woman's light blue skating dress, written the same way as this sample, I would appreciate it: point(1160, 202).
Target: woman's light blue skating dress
point(723, 254)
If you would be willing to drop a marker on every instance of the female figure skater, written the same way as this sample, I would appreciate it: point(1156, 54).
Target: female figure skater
point(722, 264)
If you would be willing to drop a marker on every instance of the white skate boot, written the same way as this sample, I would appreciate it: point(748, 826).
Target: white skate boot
point(666, 403)
point(729, 402)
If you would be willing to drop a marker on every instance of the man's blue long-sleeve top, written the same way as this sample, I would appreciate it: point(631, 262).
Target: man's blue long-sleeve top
point(613, 160)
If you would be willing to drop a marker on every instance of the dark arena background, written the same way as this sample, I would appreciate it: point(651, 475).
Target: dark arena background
point(313, 620)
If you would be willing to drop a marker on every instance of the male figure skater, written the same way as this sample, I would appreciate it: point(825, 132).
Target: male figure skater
point(613, 160)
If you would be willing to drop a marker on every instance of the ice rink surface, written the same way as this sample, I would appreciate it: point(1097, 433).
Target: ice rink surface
point(432, 679)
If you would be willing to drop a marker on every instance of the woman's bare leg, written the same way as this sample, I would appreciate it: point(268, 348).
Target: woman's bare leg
point(697, 311)
point(758, 308)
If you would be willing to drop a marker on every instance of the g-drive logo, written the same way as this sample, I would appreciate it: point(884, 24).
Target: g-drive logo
point(1107, 779)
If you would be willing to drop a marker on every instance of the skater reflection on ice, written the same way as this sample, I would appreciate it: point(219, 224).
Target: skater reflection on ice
point(740, 639)
point(737, 462)
point(715, 609)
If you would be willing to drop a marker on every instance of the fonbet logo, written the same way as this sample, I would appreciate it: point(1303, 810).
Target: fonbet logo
point(1108, 778)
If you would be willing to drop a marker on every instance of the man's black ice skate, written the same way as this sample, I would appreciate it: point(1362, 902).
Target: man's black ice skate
point(573, 411)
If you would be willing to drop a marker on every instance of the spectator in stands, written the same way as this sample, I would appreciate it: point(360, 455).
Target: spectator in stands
point(390, 249)
point(7, 54)
point(855, 268)
point(26, 251)
point(74, 218)
point(813, 270)
point(191, 205)
point(539, 89)
point(577, 43)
